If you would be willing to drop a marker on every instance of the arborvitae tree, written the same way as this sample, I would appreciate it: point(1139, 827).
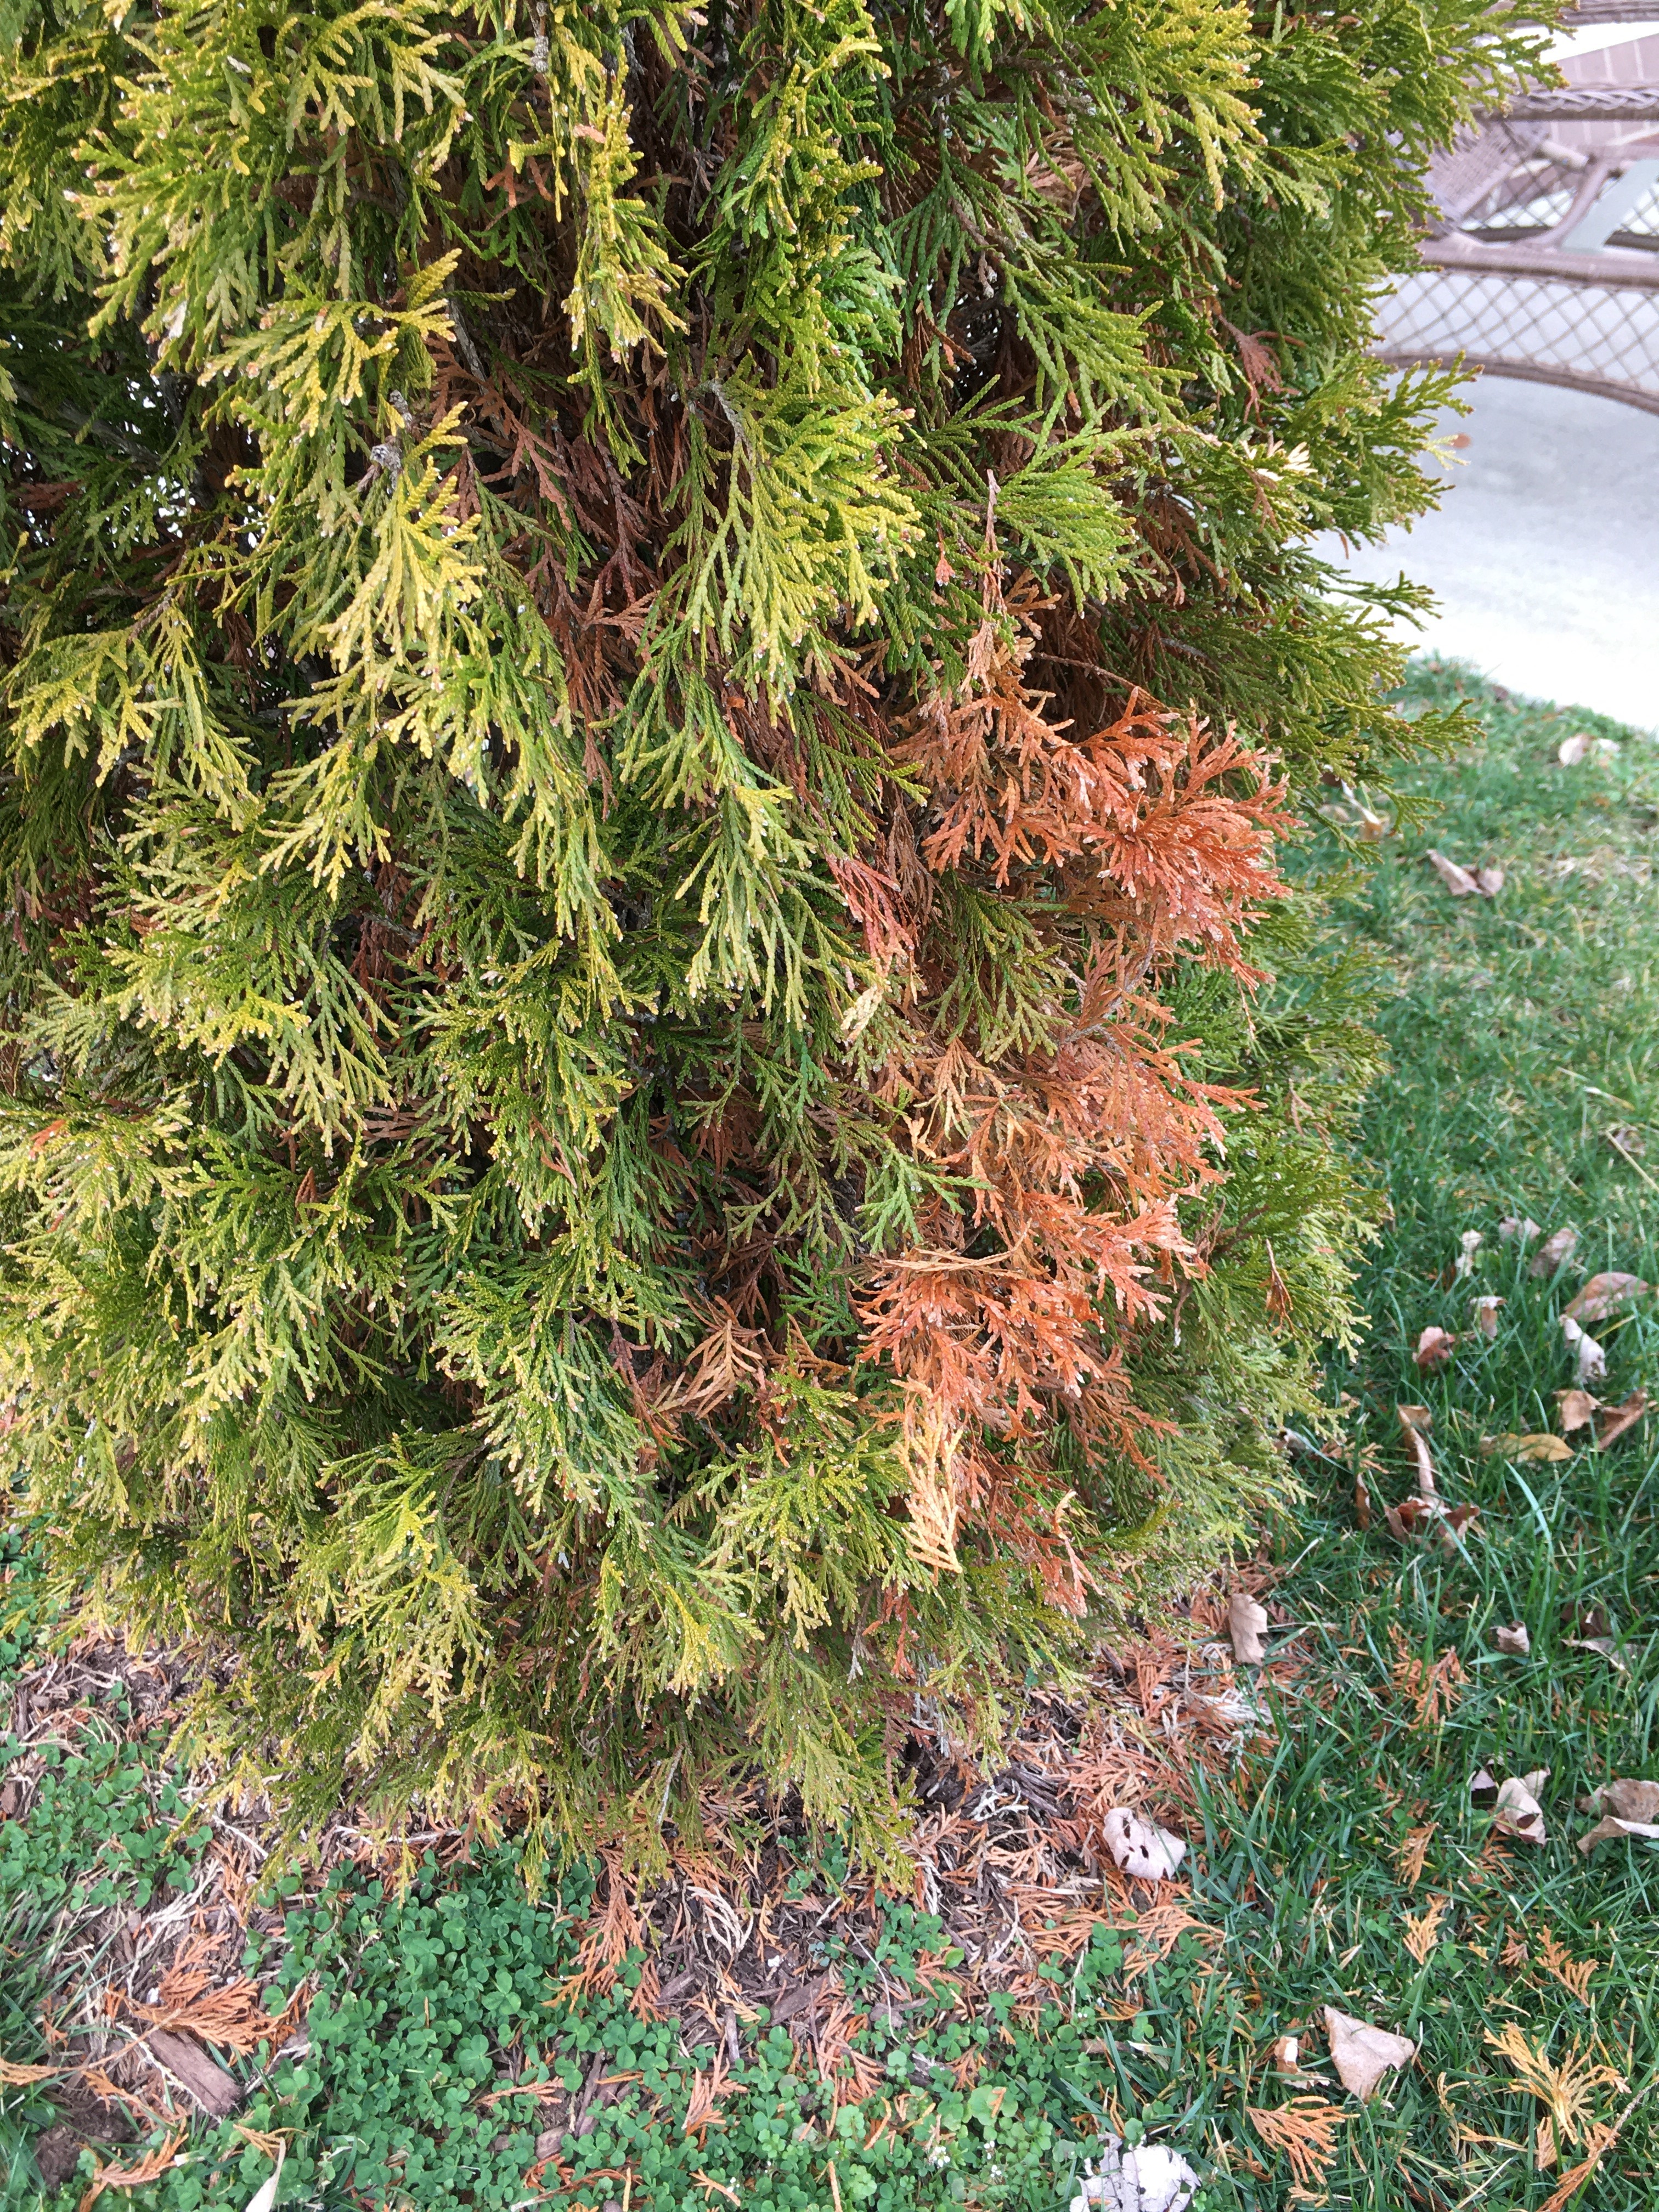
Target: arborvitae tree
point(660, 1095)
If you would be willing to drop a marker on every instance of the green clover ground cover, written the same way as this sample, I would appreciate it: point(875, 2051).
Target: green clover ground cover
point(1525, 1028)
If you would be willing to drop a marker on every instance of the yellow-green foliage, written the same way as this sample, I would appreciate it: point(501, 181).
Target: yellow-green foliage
point(653, 659)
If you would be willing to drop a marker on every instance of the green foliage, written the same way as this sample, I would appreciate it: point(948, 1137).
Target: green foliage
point(612, 958)
point(426, 2002)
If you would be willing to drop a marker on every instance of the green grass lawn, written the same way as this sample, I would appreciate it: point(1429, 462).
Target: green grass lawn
point(1341, 1862)
point(1523, 1029)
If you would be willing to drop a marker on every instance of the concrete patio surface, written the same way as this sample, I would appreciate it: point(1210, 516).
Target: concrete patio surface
point(1544, 553)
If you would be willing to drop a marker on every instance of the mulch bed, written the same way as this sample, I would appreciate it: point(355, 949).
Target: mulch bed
point(1013, 1864)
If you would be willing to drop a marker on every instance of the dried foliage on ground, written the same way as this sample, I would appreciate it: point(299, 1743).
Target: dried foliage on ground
point(1014, 1868)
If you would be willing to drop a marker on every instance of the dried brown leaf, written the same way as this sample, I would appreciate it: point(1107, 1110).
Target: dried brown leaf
point(1591, 1358)
point(1362, 2054)
point(1539, 1446)
point(1515, 1641)
point(1140, 1848)
point(1454, 1524)
point(1485, 1310)
point(1517, 1812)
point(1353, 814)
point(1518, 1228)
point(1409, 1518)
point(1416, 1421)
point(1554, 1254)
point(1611, 1827)
point(1458, 880)
point(1612, 1421)
point(1604, 1294)
point(1577, 1408)
point(1434, 1348)
point(1629, 1800)
point(1247, 1624)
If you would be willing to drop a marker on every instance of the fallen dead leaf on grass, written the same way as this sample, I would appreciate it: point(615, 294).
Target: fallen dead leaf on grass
point(1470, 1242)
point(1485, 1310)
point(1456, 1524)
point(1434, 1348)
point(1605, 1646)
point(1516, 1810)
point(1362, 2054)
point(1540, 1445)
point(1141, 1848)
point(1416, 1421)
point(1247, 1624)
point(1592, 1359)
point(1582, 746)
point(1577, 1408)
point(1515, 1641)
point(1417, 1516)
point(1630, 1800)
point(1627, 1808)
point(1152, 2178)
point(1351, 813)
point(1518, 1228)
point(1604, 1294)
point(1554, 1252)
point(1458, 881)
point(1612, 1421)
